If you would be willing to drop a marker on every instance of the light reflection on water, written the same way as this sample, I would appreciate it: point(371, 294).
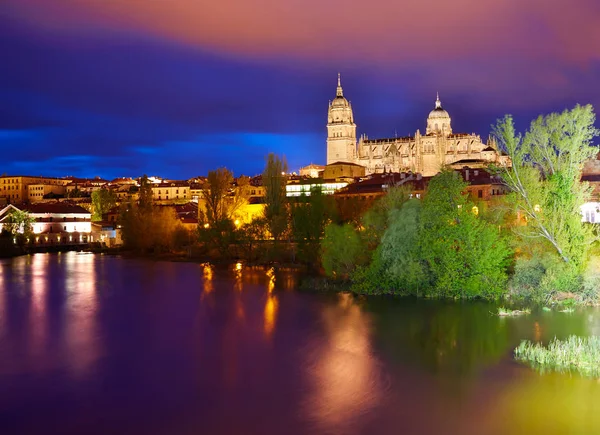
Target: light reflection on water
point(344, 373)
point(184, 348)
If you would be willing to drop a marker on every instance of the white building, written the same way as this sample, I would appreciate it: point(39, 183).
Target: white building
point(55, 223)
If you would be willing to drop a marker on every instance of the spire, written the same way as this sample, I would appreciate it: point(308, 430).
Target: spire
point(339, 92)
point(438, 103)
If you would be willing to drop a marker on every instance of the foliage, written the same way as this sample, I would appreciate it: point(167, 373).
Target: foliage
point(218, 185)
point(464, 254)
point(145, 198)
point(396, 266)
point(218, 236)
point(309, 215)
point(150, 229)
point(18, 223)
point(376, 220)
point(503, 312)
point(102, 201)
point(250, 235)
point(341, 248)
point(545, 177)
point(274, 181)
point(573, 354)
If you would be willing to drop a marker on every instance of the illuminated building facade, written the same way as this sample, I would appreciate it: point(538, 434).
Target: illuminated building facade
point(422, 153)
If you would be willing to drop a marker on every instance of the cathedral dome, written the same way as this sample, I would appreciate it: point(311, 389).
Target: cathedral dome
point(438, 112)
point(340, 101)
point(438, 121)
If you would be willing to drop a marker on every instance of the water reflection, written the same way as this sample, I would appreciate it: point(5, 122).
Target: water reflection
point(344, 372)
point(270, 315)
point(207, 275)
point(38, 266)
point(81, 309)
point(455, 338)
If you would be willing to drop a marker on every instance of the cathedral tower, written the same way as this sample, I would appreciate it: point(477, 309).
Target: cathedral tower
point(341, 129)
point(438, 122)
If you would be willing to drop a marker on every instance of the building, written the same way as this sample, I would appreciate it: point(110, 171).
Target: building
point(171, 192)
point(298, 186)
point(423, 153)
point(55, 223)
point(14, 189)
point(312, 170)
point(343, 171)
point(39, 192)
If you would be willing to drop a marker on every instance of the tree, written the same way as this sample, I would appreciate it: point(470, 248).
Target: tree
point(149, 229)
point(145, 199)
point(341, 248)
point(545, 177)
point(274, 181)
point(396, 266)
point(309, 215)
point(102, 201)
point(377, 219)
point(18, 223)
point(464, 254)
point(216, 189)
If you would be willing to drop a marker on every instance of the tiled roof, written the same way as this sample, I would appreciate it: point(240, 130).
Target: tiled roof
point(345, 164)
point(54, 207)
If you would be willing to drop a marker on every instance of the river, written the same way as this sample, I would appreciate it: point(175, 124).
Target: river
point(94, 344)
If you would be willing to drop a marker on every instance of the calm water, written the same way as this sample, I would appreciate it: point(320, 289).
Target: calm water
point(97, 345)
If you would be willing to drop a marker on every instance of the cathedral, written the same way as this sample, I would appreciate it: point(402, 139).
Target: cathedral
point(423, 153)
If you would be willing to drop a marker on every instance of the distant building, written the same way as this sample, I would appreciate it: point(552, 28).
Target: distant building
point(55, 223)
point(422, 153)
point(14, 189)
point(171, 192)
point(312, 171)
point(343, 171)
point(297, 186)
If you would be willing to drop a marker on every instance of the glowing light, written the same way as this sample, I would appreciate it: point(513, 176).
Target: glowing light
point(237, 222)
point(537, 208)
point(206, 225)
point(475, 210)
point(238, 266)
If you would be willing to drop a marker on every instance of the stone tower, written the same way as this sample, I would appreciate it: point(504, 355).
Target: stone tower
point(341, 129)
point(438, 122)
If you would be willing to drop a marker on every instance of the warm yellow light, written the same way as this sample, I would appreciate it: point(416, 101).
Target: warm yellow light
point(238, 266)
point(206, 225)
point(475, 210)
point(237, 222)
point(537, 208)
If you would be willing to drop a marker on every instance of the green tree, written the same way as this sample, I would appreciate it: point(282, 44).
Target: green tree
point(545, 178)
point(309, 215)
point(341, 249)
point(464, 254)
point(274, 181)
point(19, 223)
point(102, 201)
point(396, 266)
point(145, 199)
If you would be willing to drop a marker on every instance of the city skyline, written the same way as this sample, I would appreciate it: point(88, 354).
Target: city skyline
point(101, 90)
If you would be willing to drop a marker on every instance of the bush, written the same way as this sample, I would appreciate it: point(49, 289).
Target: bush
point(341, 249)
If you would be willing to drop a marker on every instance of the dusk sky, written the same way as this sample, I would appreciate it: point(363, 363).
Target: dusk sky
point(175, 88)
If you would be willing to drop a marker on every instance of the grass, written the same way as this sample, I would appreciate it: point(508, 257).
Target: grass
point(502, 311)
point(575, 354)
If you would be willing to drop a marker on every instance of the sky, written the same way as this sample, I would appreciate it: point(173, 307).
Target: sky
point(175, 88)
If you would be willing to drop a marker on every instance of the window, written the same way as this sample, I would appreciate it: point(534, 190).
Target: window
point(479, 193)
point(65, 228)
